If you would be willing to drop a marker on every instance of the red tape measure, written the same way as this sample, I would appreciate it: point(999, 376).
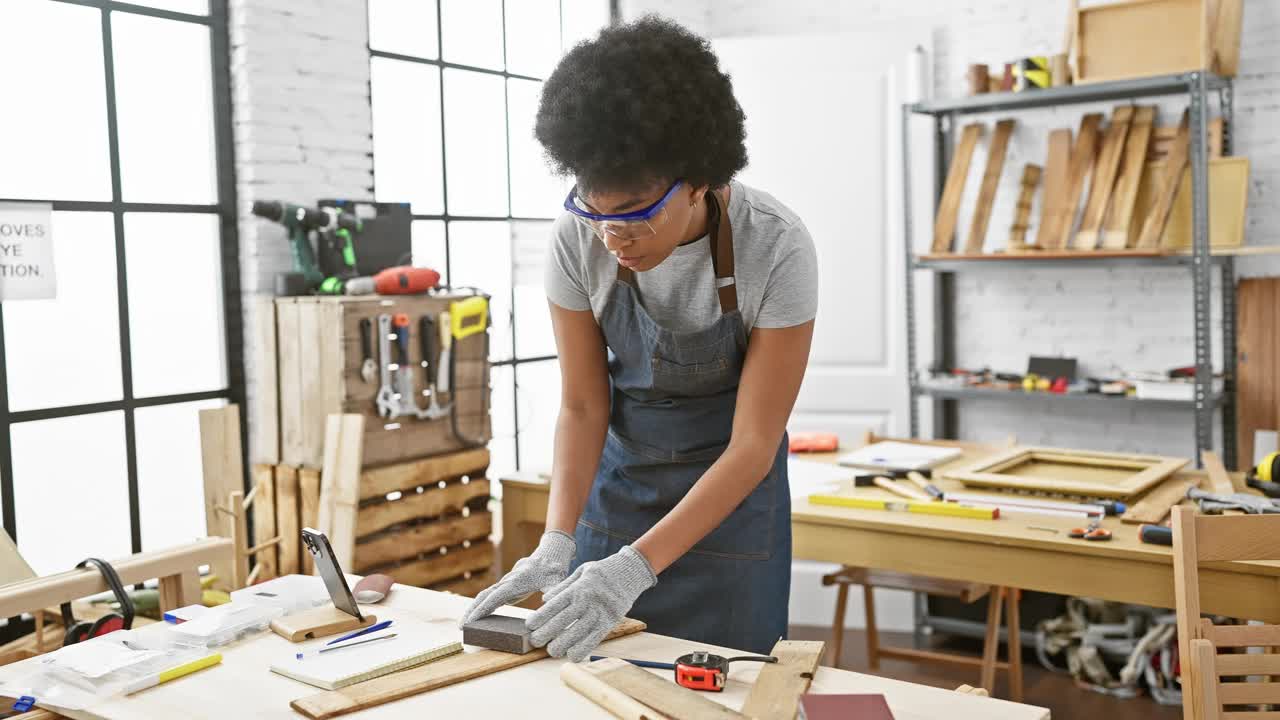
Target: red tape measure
point(704, 671)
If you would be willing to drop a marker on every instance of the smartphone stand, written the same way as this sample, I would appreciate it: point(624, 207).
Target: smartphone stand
point(317, 623)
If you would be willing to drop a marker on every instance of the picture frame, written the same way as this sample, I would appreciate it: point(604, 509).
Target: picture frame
point(1085, 473)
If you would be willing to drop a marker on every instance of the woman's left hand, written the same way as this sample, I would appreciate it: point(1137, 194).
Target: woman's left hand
point(585, 606)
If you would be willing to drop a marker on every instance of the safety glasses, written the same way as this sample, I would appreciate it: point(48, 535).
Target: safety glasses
point(625, 226)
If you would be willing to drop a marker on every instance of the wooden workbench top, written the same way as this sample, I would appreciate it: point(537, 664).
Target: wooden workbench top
point(243, 687)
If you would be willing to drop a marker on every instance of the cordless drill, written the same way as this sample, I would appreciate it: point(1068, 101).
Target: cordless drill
point(337, 263)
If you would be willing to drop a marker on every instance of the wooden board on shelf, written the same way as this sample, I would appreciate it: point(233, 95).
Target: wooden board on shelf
point(1257, 362)
point(944, 226)
point(1228, 204)
point(1139, 38)
point(1056, 169)
point(1104, 178)
point(1083, 153)
point(1163, 137)
point(1071, 472)
point(1022, 212)
point(1120, 216)
point(1226, 37)
point(990, 181)
point(1153, 223)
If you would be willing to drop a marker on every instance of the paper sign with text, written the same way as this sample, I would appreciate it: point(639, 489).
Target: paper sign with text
point(26, 252)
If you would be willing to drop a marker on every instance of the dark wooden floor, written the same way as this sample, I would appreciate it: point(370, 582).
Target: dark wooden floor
point(1040, 687)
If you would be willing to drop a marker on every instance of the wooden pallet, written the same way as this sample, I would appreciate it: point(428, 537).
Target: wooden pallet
point(427, 523)
point(317, 373)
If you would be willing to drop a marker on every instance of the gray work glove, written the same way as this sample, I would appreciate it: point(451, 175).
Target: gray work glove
point(580, 611)
point(548, 565)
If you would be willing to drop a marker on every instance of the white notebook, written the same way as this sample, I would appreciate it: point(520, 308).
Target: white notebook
point(900, 455)
point(415, 643)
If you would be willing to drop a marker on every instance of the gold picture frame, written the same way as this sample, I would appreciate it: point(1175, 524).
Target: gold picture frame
point(1087, 473)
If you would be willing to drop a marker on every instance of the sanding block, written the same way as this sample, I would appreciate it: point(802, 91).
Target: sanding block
point(498, 632)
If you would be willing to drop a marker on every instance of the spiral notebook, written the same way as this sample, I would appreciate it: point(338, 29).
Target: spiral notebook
point(415, 643)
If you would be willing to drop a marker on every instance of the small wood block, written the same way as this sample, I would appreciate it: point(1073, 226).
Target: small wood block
point(990, 181)
point(1219, 479)
point(1153, 226)
point(1125, 194)
point(317, 623)
point(944, 225)
point(659, 693)
point(1022, 215)
point(1104, 177)
point(777, 690)
point(498, 632)
point(1055, 186)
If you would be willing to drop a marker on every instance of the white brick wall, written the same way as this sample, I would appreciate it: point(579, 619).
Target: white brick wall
point(1108, 318)
point(300, 88)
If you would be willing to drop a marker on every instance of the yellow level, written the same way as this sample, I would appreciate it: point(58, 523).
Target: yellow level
point(924, 508)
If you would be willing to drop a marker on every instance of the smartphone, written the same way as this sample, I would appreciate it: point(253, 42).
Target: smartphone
point(334, 581)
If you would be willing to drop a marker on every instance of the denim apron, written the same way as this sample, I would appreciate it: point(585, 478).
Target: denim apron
point(671, 415)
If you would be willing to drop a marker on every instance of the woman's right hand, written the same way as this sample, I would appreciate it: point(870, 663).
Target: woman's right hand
point(542, 570)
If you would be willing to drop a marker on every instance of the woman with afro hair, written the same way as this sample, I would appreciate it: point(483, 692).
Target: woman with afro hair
point(683, 304)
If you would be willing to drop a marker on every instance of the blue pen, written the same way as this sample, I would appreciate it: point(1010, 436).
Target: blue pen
point(365, 631)
point(640, 663)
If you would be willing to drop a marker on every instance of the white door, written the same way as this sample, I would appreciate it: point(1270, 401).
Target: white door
point(824, 137)
point(823, 127)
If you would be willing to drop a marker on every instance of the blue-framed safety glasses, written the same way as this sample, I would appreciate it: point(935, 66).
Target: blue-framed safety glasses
point(625, 226)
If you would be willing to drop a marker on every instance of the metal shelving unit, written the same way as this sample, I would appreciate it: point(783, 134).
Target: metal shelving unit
point(1199, 88)
point(1085, 399)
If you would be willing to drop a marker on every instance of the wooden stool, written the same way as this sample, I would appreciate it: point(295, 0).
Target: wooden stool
point(964, 591)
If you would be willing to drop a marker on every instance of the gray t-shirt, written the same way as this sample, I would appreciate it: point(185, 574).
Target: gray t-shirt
point(775, 269)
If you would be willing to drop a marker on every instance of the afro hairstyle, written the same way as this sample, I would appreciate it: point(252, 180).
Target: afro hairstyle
point(641, 104)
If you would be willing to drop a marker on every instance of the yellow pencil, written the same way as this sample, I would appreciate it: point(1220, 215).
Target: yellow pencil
point(929, 508)
point(173, 673)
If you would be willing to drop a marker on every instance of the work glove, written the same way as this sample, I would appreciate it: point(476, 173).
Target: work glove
point(583, 608)
point(548, 565)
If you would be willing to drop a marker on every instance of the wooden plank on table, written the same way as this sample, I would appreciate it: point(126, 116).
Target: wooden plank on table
point(618, 703)
point(1022, 213)
point(1083, 153)
point(398, 544)
point(287, 519)
point(1154, 507)
point(340, 484)
point(378, 482)
point(289, 351)
point(658, 693)
point(435, 568)
point(264, 520)
point(1116, 235)
point(990, 181)
point(264, 425)
point(441, 673)
point(1056, 168)
point(308, 511)
point(944, 225)
point(1153, 224)
point(1257, 362)
point(1104, 178)
point(777, 690)
point(452, 498)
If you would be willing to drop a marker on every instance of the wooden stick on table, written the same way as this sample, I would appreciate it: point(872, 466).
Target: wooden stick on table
point(777, 690)
point(618, 703)
point(944, 226)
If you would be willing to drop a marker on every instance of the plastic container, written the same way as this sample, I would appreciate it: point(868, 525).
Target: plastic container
point(225, 624)
point(290, 593)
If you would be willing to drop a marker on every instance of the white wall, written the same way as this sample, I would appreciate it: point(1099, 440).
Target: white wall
point(300, 94)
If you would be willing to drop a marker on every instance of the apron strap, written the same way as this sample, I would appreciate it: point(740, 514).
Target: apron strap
point(720, 235)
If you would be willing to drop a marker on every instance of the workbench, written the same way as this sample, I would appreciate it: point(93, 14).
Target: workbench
point(1005, 552)
point(243, 687)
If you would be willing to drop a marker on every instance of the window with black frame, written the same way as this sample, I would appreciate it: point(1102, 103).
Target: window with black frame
point(119, 118)
point(454, 89)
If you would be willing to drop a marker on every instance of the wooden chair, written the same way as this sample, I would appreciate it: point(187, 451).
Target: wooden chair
point(963, 591)
point(1211, 680)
